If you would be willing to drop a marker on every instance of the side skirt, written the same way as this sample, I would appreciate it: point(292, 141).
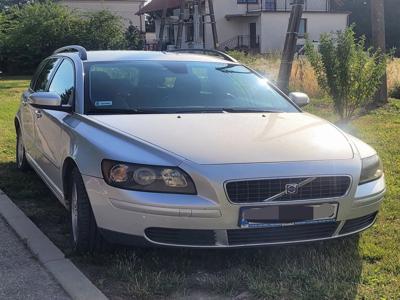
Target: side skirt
point(50, 184)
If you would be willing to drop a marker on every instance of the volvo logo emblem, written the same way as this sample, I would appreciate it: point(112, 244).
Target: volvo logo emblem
point(292, 189)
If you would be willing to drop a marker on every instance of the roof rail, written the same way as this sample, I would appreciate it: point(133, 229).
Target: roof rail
point(206, 51)
point(73, 48)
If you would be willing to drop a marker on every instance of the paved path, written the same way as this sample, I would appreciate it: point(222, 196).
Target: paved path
point(21, 275)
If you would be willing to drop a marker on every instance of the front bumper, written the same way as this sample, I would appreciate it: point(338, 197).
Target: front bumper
point(130, 217)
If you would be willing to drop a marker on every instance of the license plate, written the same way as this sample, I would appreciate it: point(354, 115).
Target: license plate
point(285, 215)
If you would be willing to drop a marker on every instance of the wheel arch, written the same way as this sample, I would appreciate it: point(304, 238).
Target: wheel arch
point(68, 165)
point(17, 124)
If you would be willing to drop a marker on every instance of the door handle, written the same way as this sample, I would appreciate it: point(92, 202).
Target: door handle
point(38, 114)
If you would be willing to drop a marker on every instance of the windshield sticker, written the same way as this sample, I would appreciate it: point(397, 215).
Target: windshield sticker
point(103, 103)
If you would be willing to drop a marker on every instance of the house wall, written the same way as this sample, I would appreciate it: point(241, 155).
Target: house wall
point(228, 29)
point(274, 27)
point(271, 26)
point(125, 9)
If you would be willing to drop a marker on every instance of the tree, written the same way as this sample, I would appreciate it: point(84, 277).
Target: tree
point(379, 42)
point(31, 32)
point(133, 38)
point(361, 16)
point(347, 71)
point(102, 31)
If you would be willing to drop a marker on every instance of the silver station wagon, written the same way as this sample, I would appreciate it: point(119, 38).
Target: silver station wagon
point(189, 150)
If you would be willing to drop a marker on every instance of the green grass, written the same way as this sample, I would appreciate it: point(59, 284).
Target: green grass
point(367, 267)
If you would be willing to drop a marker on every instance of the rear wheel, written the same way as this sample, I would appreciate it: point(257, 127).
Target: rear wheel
point(22, 162)
point(85, 234)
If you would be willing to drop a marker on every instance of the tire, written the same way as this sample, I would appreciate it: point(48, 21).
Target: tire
point(20, 157)
point(85, 235)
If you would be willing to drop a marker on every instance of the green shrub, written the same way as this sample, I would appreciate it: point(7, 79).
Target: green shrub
point(395, 90)
point(347, 71)
point(102, 31)
point(31, 32)
point(133, 38)
point(2, 26)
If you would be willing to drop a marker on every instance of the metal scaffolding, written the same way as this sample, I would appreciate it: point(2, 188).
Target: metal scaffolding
point(195, 13)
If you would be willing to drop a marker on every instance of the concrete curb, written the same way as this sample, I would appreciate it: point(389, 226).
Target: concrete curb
point(74, 282)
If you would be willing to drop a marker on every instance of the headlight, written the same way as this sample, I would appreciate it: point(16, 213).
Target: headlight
point(147, 178)
point(372, 169)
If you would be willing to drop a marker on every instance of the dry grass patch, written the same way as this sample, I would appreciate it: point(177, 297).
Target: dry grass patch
point(303, 77)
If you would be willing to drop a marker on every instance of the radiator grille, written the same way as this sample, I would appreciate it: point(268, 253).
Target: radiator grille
point(181, 236)
point(260, 190)
point(281, 234)
point(358, 224)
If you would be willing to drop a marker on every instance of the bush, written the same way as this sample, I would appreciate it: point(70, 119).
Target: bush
point(347, 71)
point(395, 90)
point(102, 31)
point(31, 32)
point(2, 26)
point(133, 38)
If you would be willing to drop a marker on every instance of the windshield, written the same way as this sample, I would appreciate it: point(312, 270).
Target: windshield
point(179, 87)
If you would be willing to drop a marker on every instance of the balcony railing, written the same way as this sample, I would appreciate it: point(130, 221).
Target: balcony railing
point(285, 5)
point(241, 43)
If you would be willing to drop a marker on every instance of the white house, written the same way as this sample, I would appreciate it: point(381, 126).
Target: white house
point(259, 25)
point(123, 8)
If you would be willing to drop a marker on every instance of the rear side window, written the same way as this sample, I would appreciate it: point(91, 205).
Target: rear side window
point(63, 82)
point(45, 75)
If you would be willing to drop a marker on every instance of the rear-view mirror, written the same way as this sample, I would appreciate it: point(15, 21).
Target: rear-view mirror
point(45, 100)
point(300, 99)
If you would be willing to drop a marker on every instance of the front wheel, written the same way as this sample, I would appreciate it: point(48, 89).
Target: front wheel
point(84, 231)
point(22, 162)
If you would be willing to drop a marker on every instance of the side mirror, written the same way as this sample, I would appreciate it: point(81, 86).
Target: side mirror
point(300, 99)
point(45, 100)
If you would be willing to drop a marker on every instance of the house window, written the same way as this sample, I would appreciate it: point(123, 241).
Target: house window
point(302, 28)
point(246, 1)
point(270, 5)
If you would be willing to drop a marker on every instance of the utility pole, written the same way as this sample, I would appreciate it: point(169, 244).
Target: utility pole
point(290, 45)
point(379, 42)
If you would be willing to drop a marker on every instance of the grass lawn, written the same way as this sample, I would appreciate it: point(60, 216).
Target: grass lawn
point(365, 267)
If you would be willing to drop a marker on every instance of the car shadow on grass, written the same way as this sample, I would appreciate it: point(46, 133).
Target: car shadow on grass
point(32, 196)
point(323, 270)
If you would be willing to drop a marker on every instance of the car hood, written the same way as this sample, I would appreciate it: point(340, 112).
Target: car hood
point(227, 138)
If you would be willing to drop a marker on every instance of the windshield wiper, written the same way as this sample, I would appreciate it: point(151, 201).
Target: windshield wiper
point(132, 111)
point(199, 111)
point(244, 110)
point(223, 110)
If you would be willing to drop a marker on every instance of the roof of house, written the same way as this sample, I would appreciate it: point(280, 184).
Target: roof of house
point(156, 5)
